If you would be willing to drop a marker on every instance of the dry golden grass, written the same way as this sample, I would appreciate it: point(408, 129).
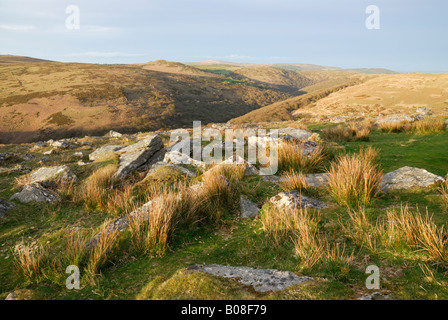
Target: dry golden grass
point(355, 179)
point(102, 252)
point(395, 126)
point(22, 181)
point(28, 259)
point(360, 230)
point(429, 125)
point(232, 172)
point(292, 157)
point(444, 194)
point(353, 132)
point(293, 181)
point(418, 232)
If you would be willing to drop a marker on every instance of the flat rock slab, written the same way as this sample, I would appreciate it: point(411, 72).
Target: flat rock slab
point(138, 154)
point(408, 178)
point(262, 280)
point(5, 206)
point(176, 157)
point(35, 192)
point(105, 151)
point(293, 200)
point(248, 208)
point(46, 175)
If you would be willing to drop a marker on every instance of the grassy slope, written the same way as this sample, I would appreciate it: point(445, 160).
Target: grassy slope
point(42, 100)
point(239, 243)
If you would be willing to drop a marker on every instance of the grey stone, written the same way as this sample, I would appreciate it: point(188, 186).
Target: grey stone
point(35, 192)
point(47, 175)
point(314, 180)
point(262, 280)
point(294, 133)
point(248, 208)
point(5, 206)
point(294, 200)
point(176, 157)
point(114, 134)
point(160, 164)
point(408, 178)
point(105, 151)
point(61, 144)
point(374, 296)
point(138, 154)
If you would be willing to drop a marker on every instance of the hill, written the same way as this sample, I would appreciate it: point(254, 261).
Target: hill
point(10, 59)
point(39, 101)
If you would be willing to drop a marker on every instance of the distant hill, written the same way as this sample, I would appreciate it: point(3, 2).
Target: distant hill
point(10, 59)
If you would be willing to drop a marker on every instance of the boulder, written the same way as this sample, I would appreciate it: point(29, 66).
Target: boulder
point(294, 134)
point(61, 144)
point(35, 192)
point(160, 164)
point(293, 200)
point(248, 208)
point(262, 280)
point(5, 206)
point(138, 154)
point(396, 118)
point(114, 134)
point(408, 178)
point(105, 152)
point(176, 157)
point(48, 175)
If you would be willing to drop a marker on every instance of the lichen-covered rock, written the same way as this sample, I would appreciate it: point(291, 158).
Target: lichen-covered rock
point(138, 154)
point(105, 152)
point(294, 200)
point(48, 175)
point(176, 157)
point(408, 178)
point(160, 164)
point(114, 134)
point(20, 294)
point(5, 206)
point(262, 280)
point(35, 192)
point(248, 208)
point(61, 144)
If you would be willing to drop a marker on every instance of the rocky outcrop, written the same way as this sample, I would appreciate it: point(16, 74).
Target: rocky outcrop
point(293, 200)
point(48, 175)
point(35, 192)
point(5, 206)
point(248, 208)
point(262, 280)
point(408, 178)
point(105, 152)
point(138, 154)
point(176, 157)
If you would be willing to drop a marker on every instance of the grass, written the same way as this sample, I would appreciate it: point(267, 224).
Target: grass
point(353, 132)
point(355, 179)
point(292, 157)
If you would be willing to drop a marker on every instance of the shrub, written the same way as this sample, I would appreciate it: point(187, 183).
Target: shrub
point(355, 179)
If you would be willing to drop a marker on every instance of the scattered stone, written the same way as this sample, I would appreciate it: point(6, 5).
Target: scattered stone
point(424, 111)
point(105, 152)
point(5, 206)
point(50, 152)
point(20, 294)
point(294, 200)
point(138, 154)
point(395, 118)
point(28, 157)
point(375, 296)
point(78, 154)
point(408, 178)
point(61, 144)
point(248, 208)
point(114, 134)
point(314, 180)
point(44, 159)
point(35, 192)
point(48, 175)
point(262, 280)
point(294, 134)
point(176, 157)
point(83, 163)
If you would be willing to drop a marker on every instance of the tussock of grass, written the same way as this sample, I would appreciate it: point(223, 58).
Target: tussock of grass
point(429, 125)
point(355, 179)
point(444, 194)
point(353, 132)
point(292, 157)
point(395, 126)
point(293, 181)
point(28, 259)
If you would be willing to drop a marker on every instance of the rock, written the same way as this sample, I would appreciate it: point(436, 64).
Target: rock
point(176, 157)
point(20, 294)
point(160, 164)
point(48, 175)
point(28, 157)
point(78, 154)
point(105, 152)
point(262, 280)
point(395, 118)
point(35, 192)
point(250, 169)
point(50, 152)
point(294, 200)
point(136, 155)
point(114, 134)
point(294, 134)
point(248, 208)
point(61, 144)
point(424, 111)
point(374, 296)
point(83, 163)
point(44, 159)
point(5, 156)
point(5, 206)
point(408, 178)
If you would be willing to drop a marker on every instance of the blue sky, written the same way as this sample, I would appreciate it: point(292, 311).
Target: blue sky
point(413, 34)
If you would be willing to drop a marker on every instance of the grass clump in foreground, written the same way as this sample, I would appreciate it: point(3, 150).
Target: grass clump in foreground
point(353, 132)
point(355, 179)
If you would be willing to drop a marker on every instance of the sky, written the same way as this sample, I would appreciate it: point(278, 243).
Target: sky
point(413, 34)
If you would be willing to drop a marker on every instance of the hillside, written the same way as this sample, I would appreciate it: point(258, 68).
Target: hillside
point(384, 95)
point(10, 59)
point(39, 101)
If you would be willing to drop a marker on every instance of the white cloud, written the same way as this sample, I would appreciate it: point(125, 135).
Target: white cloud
point(17, 27)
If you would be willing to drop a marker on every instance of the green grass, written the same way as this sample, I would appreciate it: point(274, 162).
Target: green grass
point(235, 242)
